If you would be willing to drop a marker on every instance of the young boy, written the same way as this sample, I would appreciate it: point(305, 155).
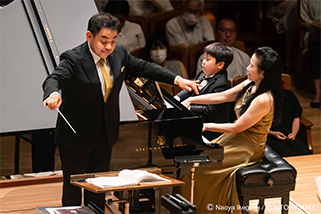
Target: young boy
point(213, 78)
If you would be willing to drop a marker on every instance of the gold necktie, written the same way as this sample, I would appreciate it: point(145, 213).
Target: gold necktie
point(108, 82)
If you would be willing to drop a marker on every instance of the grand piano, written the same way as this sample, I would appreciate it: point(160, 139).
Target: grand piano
point(165, 130)
point(155, 128)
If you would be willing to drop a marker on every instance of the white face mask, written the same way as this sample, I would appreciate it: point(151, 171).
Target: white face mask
point(190, 18)
point(158, 56)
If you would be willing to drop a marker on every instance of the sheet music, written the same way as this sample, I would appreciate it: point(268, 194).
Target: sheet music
point(52, 210)
point(71, 210)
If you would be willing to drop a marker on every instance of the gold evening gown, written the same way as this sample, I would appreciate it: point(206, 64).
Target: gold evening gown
point(215, 188)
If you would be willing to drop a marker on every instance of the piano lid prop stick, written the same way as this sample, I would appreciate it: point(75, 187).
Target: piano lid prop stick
point(66, 120)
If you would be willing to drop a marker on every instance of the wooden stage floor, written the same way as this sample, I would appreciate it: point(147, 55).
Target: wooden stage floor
point(24, 199)
point(305, 197)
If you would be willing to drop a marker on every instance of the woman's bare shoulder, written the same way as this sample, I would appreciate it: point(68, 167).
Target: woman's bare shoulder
point(264, 99)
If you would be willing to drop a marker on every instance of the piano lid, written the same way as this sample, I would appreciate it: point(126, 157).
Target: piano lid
point(150, 101)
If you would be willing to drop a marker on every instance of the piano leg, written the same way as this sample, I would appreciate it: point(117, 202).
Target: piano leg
point(195, 165)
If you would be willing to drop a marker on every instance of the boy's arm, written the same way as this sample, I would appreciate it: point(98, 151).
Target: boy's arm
point(183, 95)
point(210, 110)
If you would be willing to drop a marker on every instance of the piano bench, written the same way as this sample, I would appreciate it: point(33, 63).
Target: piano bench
point(272, 177)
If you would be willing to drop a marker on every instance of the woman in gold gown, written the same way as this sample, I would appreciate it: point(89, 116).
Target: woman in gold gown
point(258, 101)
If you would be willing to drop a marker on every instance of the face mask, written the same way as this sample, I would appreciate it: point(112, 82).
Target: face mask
point(158, 56)
point(190, 18)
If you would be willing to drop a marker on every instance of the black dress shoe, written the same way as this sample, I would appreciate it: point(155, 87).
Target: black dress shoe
point(314, 105)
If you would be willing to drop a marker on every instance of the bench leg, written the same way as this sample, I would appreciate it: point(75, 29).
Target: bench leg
point(261, 206)
point(245, 203)
point(285, 203)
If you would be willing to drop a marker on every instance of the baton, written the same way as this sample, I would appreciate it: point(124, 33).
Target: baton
point(66, 120)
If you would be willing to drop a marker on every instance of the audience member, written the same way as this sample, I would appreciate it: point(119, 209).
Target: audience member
point(311, 15)
point(213, 79)
point(157, 48)
point(131, 35)
point(283, 136)
point(286, 17)
point(148, 7)
point(226, 32)
point(190, 27)
point(101, 4)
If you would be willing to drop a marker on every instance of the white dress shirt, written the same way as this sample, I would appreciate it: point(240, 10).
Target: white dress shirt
point(100, 74)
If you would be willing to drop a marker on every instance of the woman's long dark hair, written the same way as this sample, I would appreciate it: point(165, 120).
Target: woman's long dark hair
point(270, 64)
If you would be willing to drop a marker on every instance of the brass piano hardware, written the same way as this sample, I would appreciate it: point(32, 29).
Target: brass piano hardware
point(139, 113)
point(153, 106)
point(161, 140)
point(132, 89)
point(48, 33)
point(270, 182)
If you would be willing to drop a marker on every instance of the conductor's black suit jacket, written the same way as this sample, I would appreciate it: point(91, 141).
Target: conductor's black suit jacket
point(82, 99)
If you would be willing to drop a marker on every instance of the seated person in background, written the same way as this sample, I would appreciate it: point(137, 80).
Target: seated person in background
point(157, 48)
point(283, 136)
point(101, 4)
point(226, 32)
point(190, 27)
point(148, 7)
point(131, 35)
point(310, 13)
point(213, 78)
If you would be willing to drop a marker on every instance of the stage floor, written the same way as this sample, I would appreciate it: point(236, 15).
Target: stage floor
point(305, 197)
point(24, 199)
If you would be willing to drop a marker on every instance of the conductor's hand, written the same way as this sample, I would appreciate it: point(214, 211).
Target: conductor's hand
point(188, 85)
point(53, 101)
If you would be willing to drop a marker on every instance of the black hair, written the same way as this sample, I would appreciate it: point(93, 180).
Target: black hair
point(221, 52)
point(270, 64)
point(156, 38)
point(117, 6)
point(103, 20)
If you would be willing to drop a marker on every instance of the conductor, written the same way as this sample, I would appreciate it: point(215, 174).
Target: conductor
point(90, 77)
